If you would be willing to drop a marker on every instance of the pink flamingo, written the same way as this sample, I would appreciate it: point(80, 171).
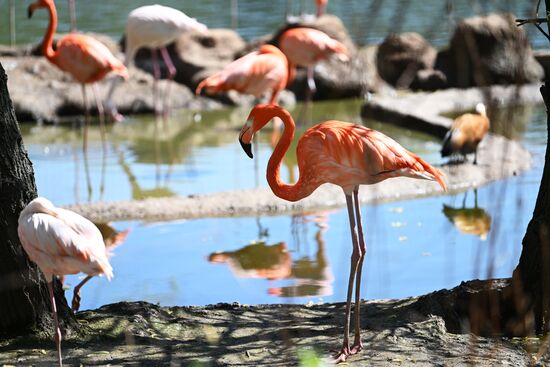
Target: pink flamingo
point(321, 7)
point(344, 154)
point(86, 59)
point(307, 46)
point(61, 242)
point(259, 72)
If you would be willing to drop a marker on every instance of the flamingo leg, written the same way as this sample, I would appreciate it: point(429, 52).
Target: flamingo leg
point(101, 112)
point(57, 331)
point(156, 75)
point(76, 293)
point(171, 75)
point(357, 345)
point(85, 143)
point(355, 258)
point(72, 14)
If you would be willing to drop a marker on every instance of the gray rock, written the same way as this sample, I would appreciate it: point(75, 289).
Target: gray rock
point(40, 91)
point(488, 50)
point(400, 56)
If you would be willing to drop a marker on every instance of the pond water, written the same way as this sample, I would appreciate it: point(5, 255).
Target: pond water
point(415, 246)
point(368, 21)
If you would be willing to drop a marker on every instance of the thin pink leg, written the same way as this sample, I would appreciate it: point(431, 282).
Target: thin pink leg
point(355, 257)
point(85, 142)
point(171, 75)
point(156, 75)
point(76, 293)
point(357, 345)
point(57, 331)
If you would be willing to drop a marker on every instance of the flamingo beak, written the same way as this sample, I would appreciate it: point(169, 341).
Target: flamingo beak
point(30, 10)
point(247, 146)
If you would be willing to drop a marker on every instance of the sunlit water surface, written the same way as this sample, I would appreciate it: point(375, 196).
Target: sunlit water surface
point(368, 21)
point(414, 246)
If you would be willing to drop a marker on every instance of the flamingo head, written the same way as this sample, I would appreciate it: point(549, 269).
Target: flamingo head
point(39, 4)
point(260, 115)
point(40, 205)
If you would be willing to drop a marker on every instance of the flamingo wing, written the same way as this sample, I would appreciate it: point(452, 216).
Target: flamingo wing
point(86, 59)
point(350, 154)
point(307, 46)
point(64, 244)
point(254, 73)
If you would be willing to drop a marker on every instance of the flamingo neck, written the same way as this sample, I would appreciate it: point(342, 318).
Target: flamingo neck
point(285, 191)
point(47, 44)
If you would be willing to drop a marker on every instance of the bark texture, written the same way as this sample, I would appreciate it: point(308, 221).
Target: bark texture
point(24, 303)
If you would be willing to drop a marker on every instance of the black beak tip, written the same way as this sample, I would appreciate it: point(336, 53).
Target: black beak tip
point(29, 12)
point(247, 149)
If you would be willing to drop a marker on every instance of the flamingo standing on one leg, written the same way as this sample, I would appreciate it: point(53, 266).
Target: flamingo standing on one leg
point(61, 242)
point(306, 47)
point(86, 59)
point(154, 27)
point(259, 72)
point(466, 133)
point(344, 154)
point(112, 238)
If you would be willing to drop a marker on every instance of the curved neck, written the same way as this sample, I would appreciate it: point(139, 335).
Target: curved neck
point(284, 191)
point(47, 48)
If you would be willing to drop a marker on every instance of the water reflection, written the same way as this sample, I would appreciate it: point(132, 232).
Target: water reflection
point(475, 221)
point(309, 276)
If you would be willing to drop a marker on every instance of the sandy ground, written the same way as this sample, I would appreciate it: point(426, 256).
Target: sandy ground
point(395, 333)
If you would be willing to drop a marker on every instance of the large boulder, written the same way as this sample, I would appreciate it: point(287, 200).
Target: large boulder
point(487, 50)
point(401, 56)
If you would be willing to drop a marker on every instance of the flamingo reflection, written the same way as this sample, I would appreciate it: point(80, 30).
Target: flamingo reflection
point(475, 221)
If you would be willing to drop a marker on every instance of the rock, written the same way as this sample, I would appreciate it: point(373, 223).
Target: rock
point(40, 91)
point(400, 56)
point(429, 79)
point(487, 50)
point(197, 56)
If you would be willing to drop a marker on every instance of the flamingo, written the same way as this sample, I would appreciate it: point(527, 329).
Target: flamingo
point(154, 27)
point(344, 154)
point(112, 238)
point(466, 133)
point(306, 47)
point(86, 59)
point(255, 73)
point(61, 242)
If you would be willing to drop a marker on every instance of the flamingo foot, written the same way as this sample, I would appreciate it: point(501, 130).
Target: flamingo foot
point(342, 355)
point(356, 347)
point(76, 301)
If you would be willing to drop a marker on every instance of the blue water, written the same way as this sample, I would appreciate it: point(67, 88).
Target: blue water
point(368, 21)
point(412, 248)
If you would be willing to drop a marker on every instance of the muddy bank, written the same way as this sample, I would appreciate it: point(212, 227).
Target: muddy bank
point(395, 333)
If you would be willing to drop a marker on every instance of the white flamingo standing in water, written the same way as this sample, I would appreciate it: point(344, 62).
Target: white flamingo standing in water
point(155, 27)
point(61, 242)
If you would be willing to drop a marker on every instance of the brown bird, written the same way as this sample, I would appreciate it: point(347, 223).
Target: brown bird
point(465, 134)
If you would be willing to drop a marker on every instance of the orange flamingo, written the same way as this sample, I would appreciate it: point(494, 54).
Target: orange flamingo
point(85, 58)
point(344, 154)
point(307, 46)
point(61, 242)
point(466, 133)
point(255, 73)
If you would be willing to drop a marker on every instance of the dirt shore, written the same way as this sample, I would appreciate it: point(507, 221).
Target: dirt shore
point(395, 333)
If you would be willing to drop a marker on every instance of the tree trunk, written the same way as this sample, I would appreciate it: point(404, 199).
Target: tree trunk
point(531, 278)
point(24, 301)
